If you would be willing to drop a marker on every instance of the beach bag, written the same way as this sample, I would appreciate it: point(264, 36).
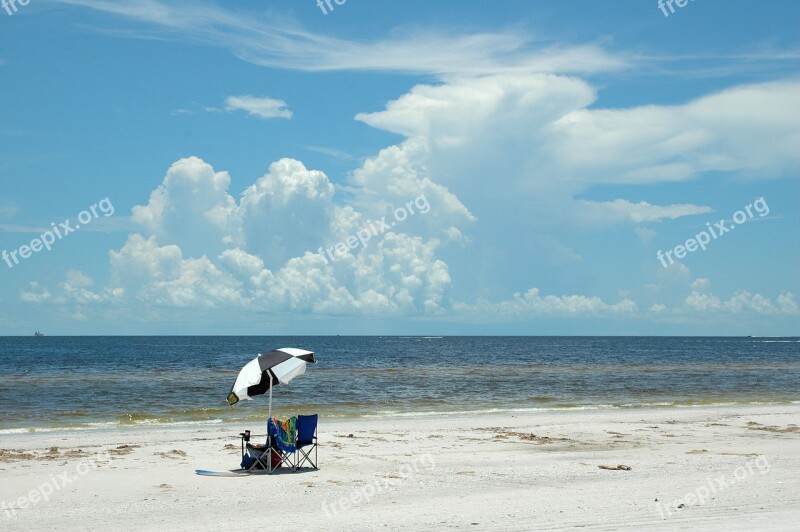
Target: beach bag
point(248, 461)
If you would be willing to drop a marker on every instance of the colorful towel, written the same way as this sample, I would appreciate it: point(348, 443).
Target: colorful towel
point(284, 433)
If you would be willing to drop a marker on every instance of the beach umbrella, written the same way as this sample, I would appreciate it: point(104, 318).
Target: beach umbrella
point(268, 370)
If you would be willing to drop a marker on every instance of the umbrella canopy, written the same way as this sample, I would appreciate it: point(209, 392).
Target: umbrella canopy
point(267, 370)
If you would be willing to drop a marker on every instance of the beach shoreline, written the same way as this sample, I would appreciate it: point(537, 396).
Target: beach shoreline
point(487, 471)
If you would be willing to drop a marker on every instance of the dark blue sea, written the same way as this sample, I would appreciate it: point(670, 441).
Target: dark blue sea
point(102, 382)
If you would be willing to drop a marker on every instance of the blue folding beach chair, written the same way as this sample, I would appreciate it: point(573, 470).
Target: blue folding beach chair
point(276, 452)
point(282, 437)
point(306, 440)
point(257, 456)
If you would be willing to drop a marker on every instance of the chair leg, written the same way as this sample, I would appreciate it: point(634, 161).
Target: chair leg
point(260, 460)
point(286, 459)
point(306, 457)
point(283, 459)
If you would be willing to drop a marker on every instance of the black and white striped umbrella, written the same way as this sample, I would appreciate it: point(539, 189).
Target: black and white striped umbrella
point(268, 370)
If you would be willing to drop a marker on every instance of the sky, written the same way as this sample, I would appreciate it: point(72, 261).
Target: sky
point(279, 167)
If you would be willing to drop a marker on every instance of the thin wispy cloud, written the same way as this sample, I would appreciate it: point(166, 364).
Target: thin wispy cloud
point(263, 107)
point(7, 210)
point(280, 43)
point(331, 152)
point(274, 41)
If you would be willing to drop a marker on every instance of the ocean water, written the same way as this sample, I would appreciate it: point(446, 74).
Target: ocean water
point(51, 383)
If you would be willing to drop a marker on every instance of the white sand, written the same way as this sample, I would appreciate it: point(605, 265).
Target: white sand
point(472, 472)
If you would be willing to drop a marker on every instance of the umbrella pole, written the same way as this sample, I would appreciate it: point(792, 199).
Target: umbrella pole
point(269, 416)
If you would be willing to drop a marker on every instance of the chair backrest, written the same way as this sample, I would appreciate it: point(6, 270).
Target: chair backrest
point(283, 433)
point(306, 429)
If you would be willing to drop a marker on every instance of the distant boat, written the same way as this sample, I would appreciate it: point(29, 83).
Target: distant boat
point(38, 333)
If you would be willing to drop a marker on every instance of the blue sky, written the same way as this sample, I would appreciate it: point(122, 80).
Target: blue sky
point(554, 147)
